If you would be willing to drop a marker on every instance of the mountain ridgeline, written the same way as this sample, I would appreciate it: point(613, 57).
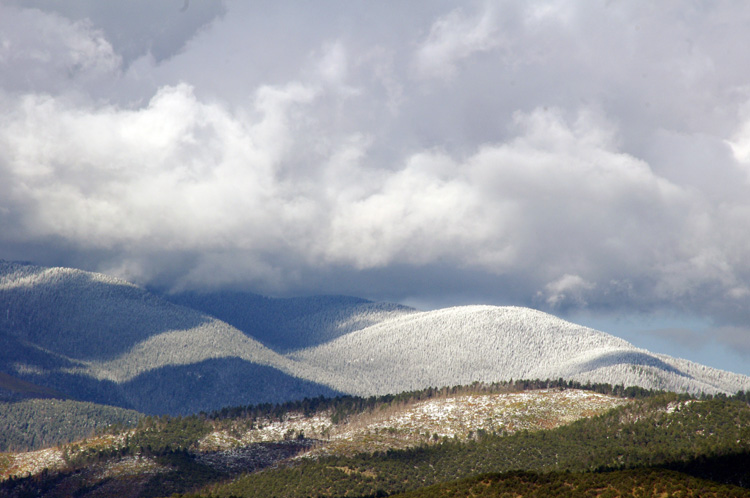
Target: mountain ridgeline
point(91, 337)
point(489, 440)
point(94, 338)
point(290, 324)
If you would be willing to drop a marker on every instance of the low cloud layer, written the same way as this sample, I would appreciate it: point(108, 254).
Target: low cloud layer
point(550, 154)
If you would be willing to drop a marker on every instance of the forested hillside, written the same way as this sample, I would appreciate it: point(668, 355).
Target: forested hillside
point(645, 445)
point(706, 439)
point(38, 423)
point(655, 483)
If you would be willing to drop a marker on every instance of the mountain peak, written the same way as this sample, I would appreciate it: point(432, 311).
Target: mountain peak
point(98, 338)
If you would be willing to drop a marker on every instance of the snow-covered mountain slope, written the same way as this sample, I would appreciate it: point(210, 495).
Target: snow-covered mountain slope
point(100, 339)
point(484, 343)
point(288, 324)
point(97, 338)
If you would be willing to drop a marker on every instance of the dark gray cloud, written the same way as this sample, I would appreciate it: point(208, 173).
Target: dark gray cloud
point(554, 154)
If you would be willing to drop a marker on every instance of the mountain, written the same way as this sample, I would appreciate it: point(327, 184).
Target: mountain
point(489, 343)
point(15, 389)
point(293, 323)
point(91, 337)
point(96, 338)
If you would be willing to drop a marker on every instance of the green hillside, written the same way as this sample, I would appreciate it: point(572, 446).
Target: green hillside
point(664, 431)
point(655, 444)
point(38, 423)
point(617, 484)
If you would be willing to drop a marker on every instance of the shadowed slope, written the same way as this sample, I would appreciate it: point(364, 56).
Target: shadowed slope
point(213, 384)
point(13, 388)
point(291, 323)
point(101, 339)
point(83, 315)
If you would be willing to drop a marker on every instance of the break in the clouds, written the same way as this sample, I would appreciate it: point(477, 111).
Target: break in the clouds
point(556, 154)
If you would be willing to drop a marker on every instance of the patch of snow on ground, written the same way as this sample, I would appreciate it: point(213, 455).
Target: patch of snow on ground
point(130, 466)
point(266, 430)
point(402, 425)
point(33, 462)
point(460, 416)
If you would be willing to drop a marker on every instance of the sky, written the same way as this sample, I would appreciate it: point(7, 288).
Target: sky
point(589, 159)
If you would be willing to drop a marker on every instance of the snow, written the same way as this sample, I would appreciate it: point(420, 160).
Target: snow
point(111, 330)
point(457, 416)
point(455, 346)
point(405, 424)
point(34, 462)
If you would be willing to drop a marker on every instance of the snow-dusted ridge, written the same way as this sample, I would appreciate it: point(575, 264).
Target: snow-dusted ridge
point(409, 423)
point(290, 324)
point(486, 343)
point(102, 339)
point(114, 329)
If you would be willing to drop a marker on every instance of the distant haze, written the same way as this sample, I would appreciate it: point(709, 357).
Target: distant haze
point(588, 159)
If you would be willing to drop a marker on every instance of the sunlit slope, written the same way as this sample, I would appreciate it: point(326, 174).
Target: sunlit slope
point(98, 338)
point(485, 343)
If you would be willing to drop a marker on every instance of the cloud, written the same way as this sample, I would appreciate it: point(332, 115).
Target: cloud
point(176, 173)
point(740, 142)
point(557, 202)
point(137, 27)
point(546, 154)
point(45, 52)
point(333, 66)
point(568, 288)
point(452, 38)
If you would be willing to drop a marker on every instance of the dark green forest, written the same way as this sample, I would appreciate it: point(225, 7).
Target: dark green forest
point(708, 439)
point(37, 423)
point(616, 484)
point(661, 444)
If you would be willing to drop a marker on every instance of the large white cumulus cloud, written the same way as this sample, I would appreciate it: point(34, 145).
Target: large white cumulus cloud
point(572, 156)
point(556, 199)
